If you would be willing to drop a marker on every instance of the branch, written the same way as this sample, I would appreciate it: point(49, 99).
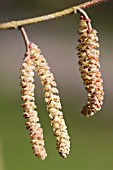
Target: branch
point(69, 11)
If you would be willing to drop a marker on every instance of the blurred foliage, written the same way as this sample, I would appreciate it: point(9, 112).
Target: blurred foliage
point(91, 139)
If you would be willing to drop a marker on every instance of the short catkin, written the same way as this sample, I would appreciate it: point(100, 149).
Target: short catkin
point(30, 114)
point(52, 100)
point(89, 67)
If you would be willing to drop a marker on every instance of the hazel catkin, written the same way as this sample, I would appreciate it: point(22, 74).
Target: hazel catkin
point(52, 100)
point(89, 67)
point(30, 114)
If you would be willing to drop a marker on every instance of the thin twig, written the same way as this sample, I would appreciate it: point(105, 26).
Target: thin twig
point(16, 24)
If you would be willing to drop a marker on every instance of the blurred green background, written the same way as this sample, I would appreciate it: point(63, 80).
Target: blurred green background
point(91, 139)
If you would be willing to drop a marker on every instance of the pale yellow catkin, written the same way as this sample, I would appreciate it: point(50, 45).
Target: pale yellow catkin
point(52, 100)
point(30, 114)
point(89, 67)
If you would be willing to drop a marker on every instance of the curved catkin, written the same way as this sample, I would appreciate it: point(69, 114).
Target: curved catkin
point(30, 114)
point(89, 67)
point(52, 100)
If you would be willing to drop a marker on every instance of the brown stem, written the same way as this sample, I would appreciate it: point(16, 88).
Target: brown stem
point(69, 11)
point(27, 43)
point(84, 14)
point(26, 40)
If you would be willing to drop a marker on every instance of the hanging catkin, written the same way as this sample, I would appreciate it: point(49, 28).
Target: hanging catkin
point(52, 100)
point(30, 114)
point(89, 67)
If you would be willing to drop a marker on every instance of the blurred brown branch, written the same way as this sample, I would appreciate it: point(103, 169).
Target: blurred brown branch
point(16, 24)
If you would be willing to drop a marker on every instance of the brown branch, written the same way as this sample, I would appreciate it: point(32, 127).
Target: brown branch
point(69, 11)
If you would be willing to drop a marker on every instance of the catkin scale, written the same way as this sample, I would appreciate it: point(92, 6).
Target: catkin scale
point(89, 67)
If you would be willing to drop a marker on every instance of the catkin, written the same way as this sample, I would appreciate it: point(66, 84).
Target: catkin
point(30, 114)
point(52, 100)
point(89, 67)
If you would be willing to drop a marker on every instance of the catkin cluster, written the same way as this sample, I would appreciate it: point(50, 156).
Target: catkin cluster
point(30, 114)
point(89, 67)
point(34, 61)
point(52, 100)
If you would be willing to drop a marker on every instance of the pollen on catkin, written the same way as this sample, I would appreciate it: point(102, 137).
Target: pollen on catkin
point(89, 67)
point(30, 114)
point(52, 100)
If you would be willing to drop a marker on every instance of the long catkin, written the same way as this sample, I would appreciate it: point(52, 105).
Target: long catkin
point(52, 100)
point(89, 67)
point(30, 114)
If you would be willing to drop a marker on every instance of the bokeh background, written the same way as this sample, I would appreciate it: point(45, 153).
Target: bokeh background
point(91, 138)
